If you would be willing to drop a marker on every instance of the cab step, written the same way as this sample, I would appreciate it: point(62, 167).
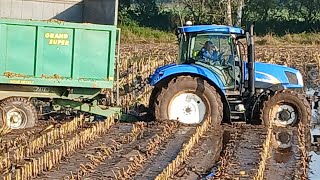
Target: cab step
point(235, 100)
point(237, 116)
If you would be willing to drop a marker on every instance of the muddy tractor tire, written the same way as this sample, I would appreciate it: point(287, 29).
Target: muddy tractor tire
point(189, 100)
point(286, 108)
point(18, 113)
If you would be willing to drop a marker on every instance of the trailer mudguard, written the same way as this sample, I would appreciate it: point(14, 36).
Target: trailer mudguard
point(173, 70)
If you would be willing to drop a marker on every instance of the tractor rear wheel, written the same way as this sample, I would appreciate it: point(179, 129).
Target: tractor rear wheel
point(18, 113)
point(189, 100)
point(286, 108)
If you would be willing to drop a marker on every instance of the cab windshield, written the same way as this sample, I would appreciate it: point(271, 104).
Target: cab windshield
point(216, 52)
point(205, 47)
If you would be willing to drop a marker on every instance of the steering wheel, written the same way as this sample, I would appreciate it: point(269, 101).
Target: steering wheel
point(220, 57)
point(218, 60)
point(224, 62)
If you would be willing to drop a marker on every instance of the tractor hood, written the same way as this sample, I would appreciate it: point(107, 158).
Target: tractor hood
point(276, 74)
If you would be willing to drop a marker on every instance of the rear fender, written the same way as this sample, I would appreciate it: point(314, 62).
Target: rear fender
point(164, 74)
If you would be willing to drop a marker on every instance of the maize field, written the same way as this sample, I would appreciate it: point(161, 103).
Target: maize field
point(111, 149)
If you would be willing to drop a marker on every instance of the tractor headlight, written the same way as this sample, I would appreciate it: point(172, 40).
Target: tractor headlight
point(292, 77)
point(300, 78)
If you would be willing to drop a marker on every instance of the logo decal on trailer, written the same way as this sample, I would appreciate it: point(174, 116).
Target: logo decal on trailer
point(57, 38)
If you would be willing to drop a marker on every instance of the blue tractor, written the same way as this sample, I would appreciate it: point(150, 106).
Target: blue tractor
point(215, 75)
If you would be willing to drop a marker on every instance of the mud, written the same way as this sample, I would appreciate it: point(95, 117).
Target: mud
point(202, 157)
point(72, 163)
point(169, 151)
point(245, 152)
point(241, 143)
point(19, 137)
point(283, 164)
point(123, 157)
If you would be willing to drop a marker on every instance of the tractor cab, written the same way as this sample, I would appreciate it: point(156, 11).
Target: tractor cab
point(215, 48)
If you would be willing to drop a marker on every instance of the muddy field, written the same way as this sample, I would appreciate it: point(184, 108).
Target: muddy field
point(146, 150)
point(75, 149)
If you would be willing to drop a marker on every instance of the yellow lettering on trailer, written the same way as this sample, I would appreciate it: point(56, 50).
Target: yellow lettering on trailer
point(61, 39)
point(57, 36)
point(20, 82)
point(47, 35)
point(51, 36)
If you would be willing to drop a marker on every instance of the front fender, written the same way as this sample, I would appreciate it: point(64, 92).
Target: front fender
point(163, 72)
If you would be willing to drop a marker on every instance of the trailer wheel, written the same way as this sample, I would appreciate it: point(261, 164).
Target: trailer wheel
point(286, 108)
point(189, 100)
point(18, 113)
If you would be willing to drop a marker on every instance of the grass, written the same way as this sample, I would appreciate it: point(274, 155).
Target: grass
point(289, 39)
point(136, 34)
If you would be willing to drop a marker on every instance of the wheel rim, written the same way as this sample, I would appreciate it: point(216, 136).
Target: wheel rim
point(284, 115)
point(16, 118)
point(187, 108)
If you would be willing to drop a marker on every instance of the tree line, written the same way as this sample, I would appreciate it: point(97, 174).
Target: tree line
point(276, 16)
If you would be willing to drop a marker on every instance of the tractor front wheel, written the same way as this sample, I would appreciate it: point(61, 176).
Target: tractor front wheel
point(18, 113)
point(189, 100)
point(286, 108)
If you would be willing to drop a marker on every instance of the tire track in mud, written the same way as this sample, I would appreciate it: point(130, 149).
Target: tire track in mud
point(21, 137)
point(23, 146)
point(293, 161)
point(202, 156)
point(76, 165)
point(241, 156)
point(282, 164)
point(138, 155)
point(169, 151)
point(45, 158)
point(17, 137)
point(244, 162)
point(118, 157)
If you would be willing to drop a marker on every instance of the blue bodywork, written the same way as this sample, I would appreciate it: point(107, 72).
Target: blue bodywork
point(211, 28)
point(265, 73)
point(275, 74)
point(175, 69)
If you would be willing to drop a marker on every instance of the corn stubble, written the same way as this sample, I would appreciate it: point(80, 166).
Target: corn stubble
point(143, 155)
point(265, 154)
point(136, 65)
point(21, 140)
point(172, 168)
point(45, 162)
point(104, 152)
point(19, 153)
point(304, 160)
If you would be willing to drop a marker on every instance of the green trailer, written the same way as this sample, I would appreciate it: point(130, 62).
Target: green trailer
point(71, 64)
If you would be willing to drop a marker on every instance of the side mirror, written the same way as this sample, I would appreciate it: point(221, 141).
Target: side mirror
point(247, 38)
point(177, 33)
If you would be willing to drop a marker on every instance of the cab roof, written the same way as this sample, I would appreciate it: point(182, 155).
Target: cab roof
point(212, 28)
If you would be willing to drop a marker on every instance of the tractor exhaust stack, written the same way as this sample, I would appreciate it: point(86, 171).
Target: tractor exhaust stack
point(250, 64)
